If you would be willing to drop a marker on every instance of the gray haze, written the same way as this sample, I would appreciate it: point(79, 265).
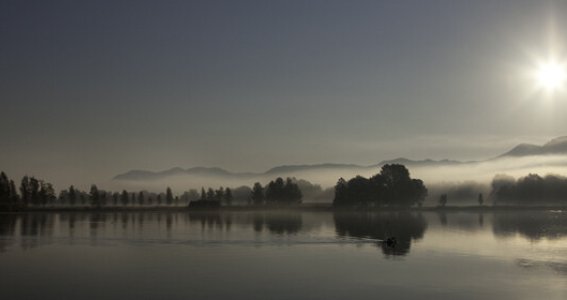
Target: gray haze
point(90, 90)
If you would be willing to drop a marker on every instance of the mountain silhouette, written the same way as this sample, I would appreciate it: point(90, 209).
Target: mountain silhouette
point(284, 170)
point(555, 146)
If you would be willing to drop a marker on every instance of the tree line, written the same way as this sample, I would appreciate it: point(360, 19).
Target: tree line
point(33, 192)
point(276, 192)
point(529, 190)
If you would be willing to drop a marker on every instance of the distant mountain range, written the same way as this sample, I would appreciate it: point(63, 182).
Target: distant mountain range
point(140, 175)
point(555, 146)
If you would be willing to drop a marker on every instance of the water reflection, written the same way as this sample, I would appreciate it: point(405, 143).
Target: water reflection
point(7, 230)
point(404, 226)
point(465, 221)
point(278, 223)
point(250, 251)
point(556, 266)
point(532, 225)
point(30, 230)
point(209, 220)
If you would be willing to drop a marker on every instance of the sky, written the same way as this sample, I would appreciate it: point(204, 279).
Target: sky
point(90, 89)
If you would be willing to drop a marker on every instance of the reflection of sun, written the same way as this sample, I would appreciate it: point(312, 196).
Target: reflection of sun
point(551, 75)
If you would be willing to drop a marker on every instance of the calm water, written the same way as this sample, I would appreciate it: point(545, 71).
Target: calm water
point(283, 255)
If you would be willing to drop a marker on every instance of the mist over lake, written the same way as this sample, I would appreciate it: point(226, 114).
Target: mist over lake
point(304, 149)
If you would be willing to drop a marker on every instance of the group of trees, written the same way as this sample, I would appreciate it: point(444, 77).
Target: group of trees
point(393, 186)
point(36, 192)
point(220, 195)
point(276, 192)
point(32, 191)
point(8, 193)
point(531, 189)
point(100, 198)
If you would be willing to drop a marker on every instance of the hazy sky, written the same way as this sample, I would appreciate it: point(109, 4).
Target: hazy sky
point(92, 89)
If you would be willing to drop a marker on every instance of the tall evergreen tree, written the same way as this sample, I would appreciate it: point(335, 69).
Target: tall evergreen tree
point(219, 194)
point(168, 196)
point(5, 198)
point(141, 198)
point(72, 195)
point(15, 199)
point(210, 194)
point(124, 198)
point(115, 198)
point(341, 193)
point(94, 196)
point(46, 194)
point(35, 186)
point(228, 196)
point(25, 191)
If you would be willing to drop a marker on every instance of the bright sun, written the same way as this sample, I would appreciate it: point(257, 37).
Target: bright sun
point(551, 75)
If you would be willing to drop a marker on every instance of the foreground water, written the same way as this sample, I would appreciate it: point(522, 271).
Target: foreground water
point(283, 255)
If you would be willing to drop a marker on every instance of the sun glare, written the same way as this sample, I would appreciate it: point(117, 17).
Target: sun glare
point(551, 75)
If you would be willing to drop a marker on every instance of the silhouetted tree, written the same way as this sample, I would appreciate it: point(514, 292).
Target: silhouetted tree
point(341, 193)
point(219, 194)
point(8, 194)
point(141, 198)
point(480, 199)
point(393, 186)
point(4, 189)
point(46, 194)
point(34, 190)
point(94, 196)
point(228, 196)
point(203, 194)
point(124, 198)
point(115, 198)
point(191, 195)
point(15, 198)
point(275, 191)
point(211, 195)
point(72, 195)
point(529, 190)
point(257, 194)
point(280, 192)
point(25, 191)
point(443, 200)
point(168, 196)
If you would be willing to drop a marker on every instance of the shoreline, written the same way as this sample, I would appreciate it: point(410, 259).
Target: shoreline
point(305, 207)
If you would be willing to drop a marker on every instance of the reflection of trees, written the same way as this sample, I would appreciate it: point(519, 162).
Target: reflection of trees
point(278, 222)
point(464, 221)
point(210, 220)
point(404, 226)
point(35, 228)
point(283, 223)
point(7, 230)
point(532, 225)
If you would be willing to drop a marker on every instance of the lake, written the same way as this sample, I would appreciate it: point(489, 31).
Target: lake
point(284, 255)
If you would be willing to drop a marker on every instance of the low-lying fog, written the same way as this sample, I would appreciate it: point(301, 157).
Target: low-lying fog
point(458, 180)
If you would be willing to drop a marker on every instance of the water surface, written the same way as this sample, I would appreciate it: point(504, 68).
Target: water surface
point(283, 255)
